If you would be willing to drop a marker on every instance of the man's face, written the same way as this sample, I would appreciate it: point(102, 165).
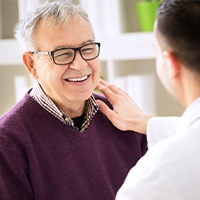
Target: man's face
point(70, 83)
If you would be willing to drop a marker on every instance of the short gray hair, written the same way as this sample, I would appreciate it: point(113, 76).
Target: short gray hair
point(59, 11)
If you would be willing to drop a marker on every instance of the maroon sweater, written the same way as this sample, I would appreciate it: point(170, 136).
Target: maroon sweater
point(41, 158)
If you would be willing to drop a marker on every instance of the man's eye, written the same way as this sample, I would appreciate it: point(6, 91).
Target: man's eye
point(88, 50)
point(64, 55)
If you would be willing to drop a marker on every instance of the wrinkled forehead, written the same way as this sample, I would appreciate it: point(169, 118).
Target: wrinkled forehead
point(73, 31)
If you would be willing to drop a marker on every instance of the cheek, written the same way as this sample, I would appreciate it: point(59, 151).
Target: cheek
point(49, 72)
point(96, 67)
point(162, 73)
point(159, 67)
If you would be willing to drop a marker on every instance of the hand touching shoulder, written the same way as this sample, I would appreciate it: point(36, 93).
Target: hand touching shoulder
point(126, 115)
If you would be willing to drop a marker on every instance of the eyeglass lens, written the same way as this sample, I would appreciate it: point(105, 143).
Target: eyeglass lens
point(67, 55)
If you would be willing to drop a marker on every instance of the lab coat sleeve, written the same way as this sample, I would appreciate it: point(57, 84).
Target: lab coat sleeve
point(150, 178)
point(159, 128)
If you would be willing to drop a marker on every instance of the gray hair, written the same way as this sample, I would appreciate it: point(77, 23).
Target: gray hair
point(59, 11)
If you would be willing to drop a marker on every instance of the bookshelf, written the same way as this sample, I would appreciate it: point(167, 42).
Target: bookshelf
point(127, 55)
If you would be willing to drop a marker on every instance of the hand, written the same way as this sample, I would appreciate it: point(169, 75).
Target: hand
point(126, 115)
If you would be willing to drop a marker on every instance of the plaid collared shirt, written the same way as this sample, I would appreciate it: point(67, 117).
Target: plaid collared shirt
point(91, 107)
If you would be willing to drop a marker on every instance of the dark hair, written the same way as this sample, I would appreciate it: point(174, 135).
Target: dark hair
point(178, 26)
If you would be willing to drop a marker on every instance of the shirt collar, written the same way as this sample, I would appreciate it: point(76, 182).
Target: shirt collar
point(90, 109)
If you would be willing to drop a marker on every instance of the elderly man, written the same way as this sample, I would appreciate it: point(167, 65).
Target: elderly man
point(55, 144)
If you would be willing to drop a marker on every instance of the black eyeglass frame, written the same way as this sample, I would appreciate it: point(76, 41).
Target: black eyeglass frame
point(51, 53)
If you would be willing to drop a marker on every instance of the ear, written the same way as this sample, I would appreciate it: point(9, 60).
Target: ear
point(30, 64)
point(173, 63)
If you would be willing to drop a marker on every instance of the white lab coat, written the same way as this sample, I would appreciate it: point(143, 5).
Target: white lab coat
point(170, 170)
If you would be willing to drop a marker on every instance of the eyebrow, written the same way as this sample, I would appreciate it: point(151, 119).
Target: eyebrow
point(69, 46)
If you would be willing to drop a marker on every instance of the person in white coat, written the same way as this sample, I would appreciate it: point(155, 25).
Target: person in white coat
point(170, 170)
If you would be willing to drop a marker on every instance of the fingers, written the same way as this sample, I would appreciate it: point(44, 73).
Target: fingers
point(112, 92)
point(108, 93)
point(126, 115)
point(113, 88)
point(105, 109)
point(113, 116)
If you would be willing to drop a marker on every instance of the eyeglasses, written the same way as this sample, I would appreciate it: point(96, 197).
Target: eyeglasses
point(66, 56)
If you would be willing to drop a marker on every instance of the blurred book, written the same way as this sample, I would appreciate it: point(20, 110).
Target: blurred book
point(142, 90)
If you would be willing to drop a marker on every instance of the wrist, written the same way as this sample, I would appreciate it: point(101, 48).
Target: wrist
point(139, 124)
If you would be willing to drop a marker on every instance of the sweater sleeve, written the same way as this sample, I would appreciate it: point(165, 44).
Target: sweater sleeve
point(14, 182)
point(159, 128)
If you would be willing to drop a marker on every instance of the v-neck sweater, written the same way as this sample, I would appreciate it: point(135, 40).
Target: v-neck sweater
point(41, 158)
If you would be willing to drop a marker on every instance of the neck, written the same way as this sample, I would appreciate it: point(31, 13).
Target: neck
point(73, 110)
point(191, 87)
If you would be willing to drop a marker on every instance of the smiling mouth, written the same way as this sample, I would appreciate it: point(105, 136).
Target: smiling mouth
point(81, 79)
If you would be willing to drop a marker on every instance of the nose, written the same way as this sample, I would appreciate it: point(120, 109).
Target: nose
point(78, 63)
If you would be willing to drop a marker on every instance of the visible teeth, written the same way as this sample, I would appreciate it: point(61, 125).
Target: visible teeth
point(77, 79)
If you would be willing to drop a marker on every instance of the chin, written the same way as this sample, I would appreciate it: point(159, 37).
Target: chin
point(82, 96)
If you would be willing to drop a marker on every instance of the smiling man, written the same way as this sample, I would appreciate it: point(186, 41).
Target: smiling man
point(55, 144)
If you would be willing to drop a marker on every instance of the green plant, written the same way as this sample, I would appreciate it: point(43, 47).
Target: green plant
point(146, 13)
